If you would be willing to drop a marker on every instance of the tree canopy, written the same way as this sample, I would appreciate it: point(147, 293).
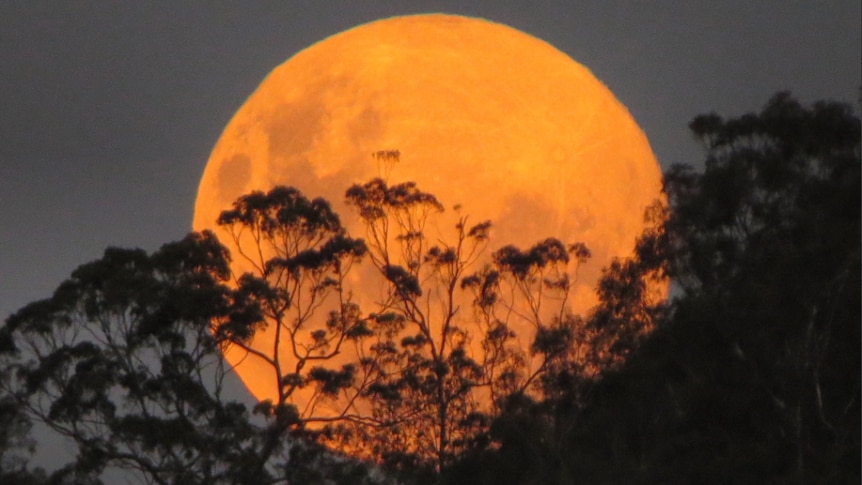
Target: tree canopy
point(749, 374)
point(752, 373)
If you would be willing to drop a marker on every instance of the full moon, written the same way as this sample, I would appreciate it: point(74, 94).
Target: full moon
point(484, 116)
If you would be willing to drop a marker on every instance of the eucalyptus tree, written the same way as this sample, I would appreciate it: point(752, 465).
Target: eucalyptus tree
point(16, 444)
point(123, 361)
point(444, 353)
point(292, 259)
point(752, 374)
point(126, 359)
point(765, 245)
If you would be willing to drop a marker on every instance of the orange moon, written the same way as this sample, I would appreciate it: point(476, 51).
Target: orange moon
point(484, 116)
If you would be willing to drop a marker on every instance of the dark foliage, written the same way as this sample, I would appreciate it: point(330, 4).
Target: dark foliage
point(124, 363)
point(753, 373)
point(439, 372)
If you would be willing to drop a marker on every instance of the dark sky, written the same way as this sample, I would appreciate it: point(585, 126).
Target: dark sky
point(108, 109)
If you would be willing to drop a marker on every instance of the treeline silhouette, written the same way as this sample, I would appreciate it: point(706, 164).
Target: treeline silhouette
point(749, 373)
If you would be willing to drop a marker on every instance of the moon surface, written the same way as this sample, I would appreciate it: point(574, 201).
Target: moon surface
point(484, 116)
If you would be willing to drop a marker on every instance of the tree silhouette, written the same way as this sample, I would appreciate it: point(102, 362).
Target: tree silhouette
point(531, 435)
point(15, 442)
point(125, 362)
point(765, 247)
point(437, 371)
point(298, 256)
point(121, 361)
point(752, 374)
point(424, 374)
point(125, 358)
